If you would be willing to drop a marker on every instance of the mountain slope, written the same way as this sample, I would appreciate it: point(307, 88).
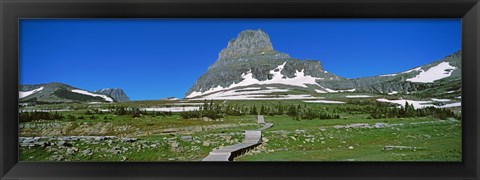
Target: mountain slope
point(250, 59)
point(116, 93)
point(422, 77)
point(58, 92)
point(249, 68)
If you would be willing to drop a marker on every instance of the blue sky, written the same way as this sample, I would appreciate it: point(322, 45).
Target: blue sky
point(157, 58)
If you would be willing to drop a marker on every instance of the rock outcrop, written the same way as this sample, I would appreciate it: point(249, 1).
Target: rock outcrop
point(116, 93)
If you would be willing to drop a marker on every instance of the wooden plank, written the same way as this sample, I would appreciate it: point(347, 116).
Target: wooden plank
point(261, 119)
point(252, 139)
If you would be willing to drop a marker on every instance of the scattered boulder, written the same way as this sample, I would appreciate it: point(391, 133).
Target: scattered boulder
point(300, 131)
point(129, 139)
point(380, 125)
point(87, 152)
point(70, 151)
point(64, 143)
point(206, 143)
point(175, 145)
point(186, 138)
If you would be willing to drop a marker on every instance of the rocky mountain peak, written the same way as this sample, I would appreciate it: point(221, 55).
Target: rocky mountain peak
point(248, 42)
point(116, 93)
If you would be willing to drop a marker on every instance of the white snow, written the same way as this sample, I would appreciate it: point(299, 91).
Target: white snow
point(238, 92)
point(457, 104)
point(94, 103)
point(416, 69)
point(91, 94)
point(388, 75)
point(186, 104)
point(261, 94)
point(416, 104)
point(448, 92)
point(441, 100)
point(250, 88)
point(393, 92)
point(320, 91)
point(259, 97)
point(325, 101)
point(195, 93)
point(300, 80)
point(357, 96)
point(171, 109)
point(23, 94)
point(440, 71)
point(421, 104)
point(335, 91)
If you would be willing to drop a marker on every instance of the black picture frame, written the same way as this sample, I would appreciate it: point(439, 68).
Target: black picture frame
point(12, 10)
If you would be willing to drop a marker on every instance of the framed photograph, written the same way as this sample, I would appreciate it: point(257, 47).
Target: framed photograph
point(239, 89)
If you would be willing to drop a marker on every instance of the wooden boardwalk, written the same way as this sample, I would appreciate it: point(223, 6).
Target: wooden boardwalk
point(252, 139)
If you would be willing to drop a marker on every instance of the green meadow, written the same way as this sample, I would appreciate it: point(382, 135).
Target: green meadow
point(360, 129)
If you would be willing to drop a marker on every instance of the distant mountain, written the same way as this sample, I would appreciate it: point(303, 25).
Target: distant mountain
point(249, 68)
point(447, 69)
point(116, 93)
point(57, 92)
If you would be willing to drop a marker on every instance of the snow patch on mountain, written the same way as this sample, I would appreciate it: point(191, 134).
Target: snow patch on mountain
point(300, 80)
point(320, 91)
point(23, 94)
point(392, 93)
point(441, 100)
point(262, 94)
point(457, 104)
point(440, 71)
point(411, 70)
point(91, 94)
point(385, 75)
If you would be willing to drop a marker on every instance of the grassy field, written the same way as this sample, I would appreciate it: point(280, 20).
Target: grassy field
point(428, 140)
point(353, 136)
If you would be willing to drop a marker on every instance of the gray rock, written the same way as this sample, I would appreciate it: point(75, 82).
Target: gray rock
point(70, 151)
point(175, 145)
point(99, 138)
point(381, 125)
point(129, 139)
point(186, 138)
point(206, 143)
point(300, 131)
point(87, 152)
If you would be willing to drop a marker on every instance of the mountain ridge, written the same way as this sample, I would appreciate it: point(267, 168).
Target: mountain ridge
point(259, 64)
point(56, 92)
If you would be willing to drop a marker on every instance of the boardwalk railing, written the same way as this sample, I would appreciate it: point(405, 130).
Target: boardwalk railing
point(252, 139)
